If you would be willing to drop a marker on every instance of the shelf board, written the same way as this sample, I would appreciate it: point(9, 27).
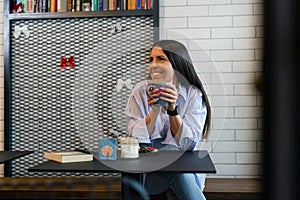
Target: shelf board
point(90, 14)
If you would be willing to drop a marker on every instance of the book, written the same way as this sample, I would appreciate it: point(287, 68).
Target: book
point(112, 5)
point(123, 4)
point(61, 5)
point(69, 5)
point(131, 4)
point(77, 5)
point(29, 6)
point(53, 6)
point(143, 4)
point(100, 4)
point(68, 156)
point(35, 5)
point(107, 149)
point(138, 5)
point(95, 5)
point(105, 5)
point(48, 4)
point(44, 6)
point(150, 4)
point(73, 6)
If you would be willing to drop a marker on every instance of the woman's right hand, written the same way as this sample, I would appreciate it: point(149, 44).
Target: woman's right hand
point(154, 108)
point(155, 97)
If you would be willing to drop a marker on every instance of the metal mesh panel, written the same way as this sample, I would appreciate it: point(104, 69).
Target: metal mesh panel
point(64, 109)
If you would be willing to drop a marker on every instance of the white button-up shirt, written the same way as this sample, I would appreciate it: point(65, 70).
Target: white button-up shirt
point(191, 108)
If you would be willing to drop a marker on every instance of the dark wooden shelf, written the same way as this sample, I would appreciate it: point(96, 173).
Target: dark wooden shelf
point(57, 15)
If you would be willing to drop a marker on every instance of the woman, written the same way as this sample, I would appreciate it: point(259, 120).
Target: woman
point(178, 126)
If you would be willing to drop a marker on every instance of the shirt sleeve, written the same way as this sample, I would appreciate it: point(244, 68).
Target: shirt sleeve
point(193, 113)
point(136, 111)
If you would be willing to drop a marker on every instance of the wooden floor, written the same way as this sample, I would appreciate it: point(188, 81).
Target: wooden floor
point(60, 188)
point(110, 188)
point(236, 188)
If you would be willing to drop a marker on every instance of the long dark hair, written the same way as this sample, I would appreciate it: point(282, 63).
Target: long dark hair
point(182, 63)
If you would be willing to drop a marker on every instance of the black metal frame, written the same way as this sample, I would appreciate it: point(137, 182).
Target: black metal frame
point(280, 86)
point(8, 17)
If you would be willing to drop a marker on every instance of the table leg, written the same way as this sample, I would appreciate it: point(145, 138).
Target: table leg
point(132, 187)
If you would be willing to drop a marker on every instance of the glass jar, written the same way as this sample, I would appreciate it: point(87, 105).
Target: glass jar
point(129, 147)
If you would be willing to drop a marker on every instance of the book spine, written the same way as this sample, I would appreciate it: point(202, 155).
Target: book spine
point(58, 9)
point(73, 5)
point(111, 5)
point(105, 5)
point(41, 6)
point(34, 5)
point(122, 5)
point(95, 5)
point(129, 2)
point(77, 8)
point(150, 4)
point(48, 5)
point(100, 5)
point(44, 6)
point(69, 5)
point(143, 4)
point(61, 5)
point(133, 4)
point(29, 6)
point(138, 4)
point(53, 6)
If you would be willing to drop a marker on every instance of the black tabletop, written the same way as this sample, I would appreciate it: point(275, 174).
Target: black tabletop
point(162, 161)
point(10, 155)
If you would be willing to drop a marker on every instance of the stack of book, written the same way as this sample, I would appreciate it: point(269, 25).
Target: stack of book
point(37, 6)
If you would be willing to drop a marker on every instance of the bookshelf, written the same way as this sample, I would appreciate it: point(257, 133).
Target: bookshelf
point(39, 6)
point(42, 99)
point(49, 15)
point(79, 14)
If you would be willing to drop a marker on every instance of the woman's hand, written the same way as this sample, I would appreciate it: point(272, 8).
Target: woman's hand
point(152, 115)
point(155, 97)
point(170, 95)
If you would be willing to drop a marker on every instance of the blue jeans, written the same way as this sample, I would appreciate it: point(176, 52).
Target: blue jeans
point(183, 185)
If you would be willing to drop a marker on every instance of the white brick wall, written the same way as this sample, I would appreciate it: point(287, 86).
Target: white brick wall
point(225, 39)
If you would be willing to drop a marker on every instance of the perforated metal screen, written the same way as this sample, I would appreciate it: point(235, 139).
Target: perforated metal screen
point(55, 108)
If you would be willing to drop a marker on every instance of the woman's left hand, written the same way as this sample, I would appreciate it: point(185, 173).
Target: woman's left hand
point(170, 95)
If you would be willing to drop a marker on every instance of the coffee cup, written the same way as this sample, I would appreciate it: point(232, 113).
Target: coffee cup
point(154, 85)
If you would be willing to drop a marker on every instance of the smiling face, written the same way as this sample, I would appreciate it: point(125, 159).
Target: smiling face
point(160, 68)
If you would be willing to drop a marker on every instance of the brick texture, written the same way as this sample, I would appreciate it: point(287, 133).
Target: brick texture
point(225, 39)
